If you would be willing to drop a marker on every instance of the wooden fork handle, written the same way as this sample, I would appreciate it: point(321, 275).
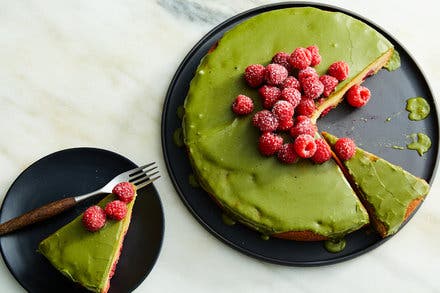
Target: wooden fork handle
point(37, 215)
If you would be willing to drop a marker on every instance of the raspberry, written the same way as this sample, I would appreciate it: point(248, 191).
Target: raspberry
point(358, 96)
point(116, 210)
point(269, 143)
point(242, 105)
point(291, 95)
point(307, 73)
point(305, 146)
point(265, 121)
point(291, 81)
point(303, 125)
point(94, 218)
point(329, 83)
point(306, 107)
point(300, 58)
point(283, 110)
point(275, 74)
point(270, 95)
point(316, 58)
point(323, 153)
point(258, 115)
point(284, 125)
point(339, 70)
point(287, 154)
point(254, 75)
point(326, 111)
point(312, 88)
point(345, 148)
point(124, 191)
point(282, 58)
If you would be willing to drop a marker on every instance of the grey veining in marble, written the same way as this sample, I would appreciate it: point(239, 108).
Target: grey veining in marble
point(193, 11)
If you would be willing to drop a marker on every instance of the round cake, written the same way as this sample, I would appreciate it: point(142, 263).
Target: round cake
point(302, 201)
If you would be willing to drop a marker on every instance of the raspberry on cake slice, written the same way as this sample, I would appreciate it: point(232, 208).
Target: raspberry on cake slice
point(265, 121)
point(270, 95)
point(300, 58)
point(287, 154)
point(254, 75)
point(242, 105)
point(291, 81)
point(94, 218)
point(316, 57)
point(282, 58)
point(276, 74)
point(269, 143)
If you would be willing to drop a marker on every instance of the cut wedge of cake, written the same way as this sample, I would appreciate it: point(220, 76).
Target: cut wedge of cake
point(389, 193)
point(88, 258)
point(302, 201)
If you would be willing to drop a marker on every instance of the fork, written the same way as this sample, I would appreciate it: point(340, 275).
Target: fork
point(138, 176)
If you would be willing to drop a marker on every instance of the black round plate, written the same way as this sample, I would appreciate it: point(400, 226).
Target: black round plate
point(67, 173)
point(368, 126)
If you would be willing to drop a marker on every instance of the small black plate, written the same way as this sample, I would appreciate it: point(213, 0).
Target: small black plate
point(67, 173)
point(368, 126)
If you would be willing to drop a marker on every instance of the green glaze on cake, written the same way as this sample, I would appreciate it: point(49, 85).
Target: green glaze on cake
point(394, 62)
point(258, 191)
point(386, 187)
point(421, 143)
point(86, 257)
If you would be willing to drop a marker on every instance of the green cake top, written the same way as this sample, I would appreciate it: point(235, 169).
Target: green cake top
point(260, 191)
point(86, 257)
point(387, 187)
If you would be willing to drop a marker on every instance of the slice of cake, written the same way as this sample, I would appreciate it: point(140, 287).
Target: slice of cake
point(88, 258)
point(389, 193)
point(302, 201)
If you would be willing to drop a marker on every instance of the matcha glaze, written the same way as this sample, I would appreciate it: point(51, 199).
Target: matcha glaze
point(264, 194)
point(421, 143)
point(418, 108)
point(335, 245)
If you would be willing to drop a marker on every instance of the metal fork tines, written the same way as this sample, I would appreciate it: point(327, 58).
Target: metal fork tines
point(141, 178)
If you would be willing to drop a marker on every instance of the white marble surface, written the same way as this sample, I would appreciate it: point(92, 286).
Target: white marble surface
point(72, 73)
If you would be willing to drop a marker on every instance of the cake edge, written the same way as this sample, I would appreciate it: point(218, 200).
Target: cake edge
point(337, 97)
point(117, 255)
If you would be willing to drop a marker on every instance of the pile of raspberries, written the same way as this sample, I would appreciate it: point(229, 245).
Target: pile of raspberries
point(289, 88)
point(95, 217)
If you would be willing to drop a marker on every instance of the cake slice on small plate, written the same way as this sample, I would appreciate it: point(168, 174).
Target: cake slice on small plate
point(88, 258)
point(389, 193)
